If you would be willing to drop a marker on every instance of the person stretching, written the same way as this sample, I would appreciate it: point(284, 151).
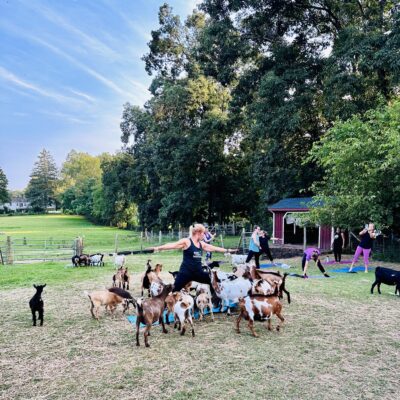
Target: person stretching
point(191, 267)
point(312, 253)
point(365, 246)
point(254, 247)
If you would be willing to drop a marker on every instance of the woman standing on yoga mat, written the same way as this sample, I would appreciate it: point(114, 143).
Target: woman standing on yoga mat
point(312, 253)
point(254, 247)
point(191, 267)
point(338, 244)
point(365, 246)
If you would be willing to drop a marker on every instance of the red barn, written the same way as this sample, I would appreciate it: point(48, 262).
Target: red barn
point(287, 232)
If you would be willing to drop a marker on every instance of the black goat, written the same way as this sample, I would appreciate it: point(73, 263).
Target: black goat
point(36, 304)
point(388, 277)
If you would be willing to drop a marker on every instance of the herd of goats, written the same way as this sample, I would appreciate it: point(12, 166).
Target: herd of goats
point(257, 293)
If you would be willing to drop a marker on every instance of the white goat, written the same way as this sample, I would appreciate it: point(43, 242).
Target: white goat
point(236, 259)
point(230, 291)
point(97, 259)
point(183, 312)
point(119, 260)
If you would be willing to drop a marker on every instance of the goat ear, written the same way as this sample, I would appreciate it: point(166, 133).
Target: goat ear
point(44, 285)
point(35, 286)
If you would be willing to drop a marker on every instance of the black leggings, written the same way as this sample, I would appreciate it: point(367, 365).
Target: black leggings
point(267, 251)
point(256, 257)
point(337, 253)
point(319, 264)
point(186, 276)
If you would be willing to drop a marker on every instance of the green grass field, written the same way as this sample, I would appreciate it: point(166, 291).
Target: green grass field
point(338, 342)
point(67, 227)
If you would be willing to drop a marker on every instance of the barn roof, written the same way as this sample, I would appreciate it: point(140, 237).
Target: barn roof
point(292, 203)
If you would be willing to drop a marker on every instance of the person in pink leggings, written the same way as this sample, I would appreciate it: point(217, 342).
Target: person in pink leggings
point(365, 246)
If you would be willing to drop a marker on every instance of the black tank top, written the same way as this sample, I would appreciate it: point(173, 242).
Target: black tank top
point(192, 258)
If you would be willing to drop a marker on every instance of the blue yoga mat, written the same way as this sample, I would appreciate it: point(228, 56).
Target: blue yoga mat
point(132, 318)
point(346, 269)
point(279, 265)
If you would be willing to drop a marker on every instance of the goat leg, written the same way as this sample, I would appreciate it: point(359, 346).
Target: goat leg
point(238, 323)
point(281, 321)
point(146, 334)
point(137, 331)
point(41, 317)
point(251, 327)
point(161, 321)
point(211, 311)
point(33, 317)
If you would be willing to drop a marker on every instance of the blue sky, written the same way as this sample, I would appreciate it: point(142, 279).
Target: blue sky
point(66, 69)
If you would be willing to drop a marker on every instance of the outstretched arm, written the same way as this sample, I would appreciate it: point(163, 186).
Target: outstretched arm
point(210, 247)
point(180, 244)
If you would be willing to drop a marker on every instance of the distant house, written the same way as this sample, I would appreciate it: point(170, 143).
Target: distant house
point(287, 231)
point(18, 204)
point(21, 204)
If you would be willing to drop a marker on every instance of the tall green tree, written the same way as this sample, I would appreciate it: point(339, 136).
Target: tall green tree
point(4, 195)
point(361, 161)
point(41, 190)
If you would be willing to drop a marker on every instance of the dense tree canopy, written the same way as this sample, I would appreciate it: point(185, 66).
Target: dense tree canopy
point(241, 91)
point(362, 169)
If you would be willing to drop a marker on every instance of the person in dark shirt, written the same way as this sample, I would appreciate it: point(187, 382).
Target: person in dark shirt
point(264, 246)
point(365, 246)
point(338, 244)
point(191, 267)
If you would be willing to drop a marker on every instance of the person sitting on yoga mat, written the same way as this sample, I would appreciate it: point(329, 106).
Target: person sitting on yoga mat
point(368, 234)
point(191, 267)
point(312, 253)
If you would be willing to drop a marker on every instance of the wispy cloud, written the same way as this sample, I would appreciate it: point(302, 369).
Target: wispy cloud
point(64, 116)
point(134, 26)
point(84, 95)
point(10, 77)
point(93, 44)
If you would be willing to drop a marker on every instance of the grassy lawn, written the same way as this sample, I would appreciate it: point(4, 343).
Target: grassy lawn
point(96, 237)
point(339, 342)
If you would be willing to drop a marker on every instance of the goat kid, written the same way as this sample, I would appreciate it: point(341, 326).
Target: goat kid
point(128, 299)
point(119, 260)
point(151, 275)
point(36, 304)
point(105, 298)
point(121, 278)
point(97, 259)
point(149, 311)
point(83, 259)
point(183, 312)
point(388, 277)
point(274, 279)
point(203, 300)
point(262, 308)
point(229, 291)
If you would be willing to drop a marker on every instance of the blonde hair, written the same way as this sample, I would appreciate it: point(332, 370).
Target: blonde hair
point(195, 228)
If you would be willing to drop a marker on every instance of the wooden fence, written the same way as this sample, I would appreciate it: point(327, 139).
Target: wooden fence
point(26, 250)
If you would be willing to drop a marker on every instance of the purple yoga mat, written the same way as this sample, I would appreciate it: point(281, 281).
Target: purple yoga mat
point(333, 262)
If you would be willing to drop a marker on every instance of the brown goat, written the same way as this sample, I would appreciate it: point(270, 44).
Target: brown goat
point(122, 278)
point(103, 298)
point(259, 307)
point(170, 302)
point(151, 275)
point(150, 311)
point(275, 279)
